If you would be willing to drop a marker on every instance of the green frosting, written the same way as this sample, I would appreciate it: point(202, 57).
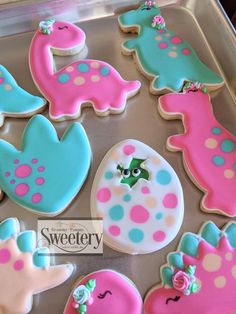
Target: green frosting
point(211, 234)
point(189, 244)
point(91, 284)
point(167, 273)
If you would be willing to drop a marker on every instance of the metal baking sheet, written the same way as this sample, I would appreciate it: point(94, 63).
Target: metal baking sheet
point(203, 24)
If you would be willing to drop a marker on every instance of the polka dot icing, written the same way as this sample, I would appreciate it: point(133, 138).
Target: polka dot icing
point(172, 54)
point(95, 78)
point(212, 262)
point(176, 40)
point(21, 189)
point(186, 52)
point(218, 160)
point(36, 198)
point(216, 131)
point(143, 217)
point(23, 171)
point(5, 256)
point(211, 143)
point(79, 80)
point(163, 45)
point(228, 174)
point(104, 71)
point(83, 67)
point(18, 265)
point(63, 78)
point(233, 271)
point(227, 146)
point(220, 282)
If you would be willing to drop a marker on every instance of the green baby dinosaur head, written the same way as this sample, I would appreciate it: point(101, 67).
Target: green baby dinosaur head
point(135, 172)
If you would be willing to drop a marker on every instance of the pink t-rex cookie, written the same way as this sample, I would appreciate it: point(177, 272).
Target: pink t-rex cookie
point(85, 81)
point(200, 276)
point(104, 291)
point(209, 150)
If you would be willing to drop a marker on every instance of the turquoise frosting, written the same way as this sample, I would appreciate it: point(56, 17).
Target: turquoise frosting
point(176, 260)
point(167, 273)
point(169, 72)
point(15, 100)
point(26, 241)
point(41, 258)
point(211, 234)
point(189, 244)
point(8, 228)
point(47, 173)
point(231, 234)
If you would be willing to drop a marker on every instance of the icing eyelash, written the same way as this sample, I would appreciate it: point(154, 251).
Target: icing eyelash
point(103, 295)
point(175, 299)
point(62, 27)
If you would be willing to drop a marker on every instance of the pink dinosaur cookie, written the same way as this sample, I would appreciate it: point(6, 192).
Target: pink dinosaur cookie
point(139, 197)
point(200, 276)
point(104, 291)
point(209, 150)
point(82, 82)
point(24, 269)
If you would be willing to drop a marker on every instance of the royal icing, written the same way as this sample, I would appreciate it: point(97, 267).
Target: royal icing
point(139, 197)
point(42, 176)
point(86, 81)
point(209, 150)
point(104, 291)
point(210, 255)
point(15, 101)
point(164, 57)
point(24, 269)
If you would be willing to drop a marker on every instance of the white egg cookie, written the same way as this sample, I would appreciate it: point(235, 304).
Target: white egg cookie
point(139, 197)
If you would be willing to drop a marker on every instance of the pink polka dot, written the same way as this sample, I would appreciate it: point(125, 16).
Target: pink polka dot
point(161, 31)
point(39, 181)
point(176, 40)
point(13, 181)
point(34, 161)
point(139, 214)
point(18, 265)
point(7, 174)
point(21, 189)
point(170, 200)
point(114, 230)
point(16, 161)
point(145, 190)
point(186, 51)
point(36, 198)
point(41, 169)
point(5, 256)
point(23, 171)
point(1, 80)
point(159, 236)
point(103, 195)
point(128, 149)
point(163, 45)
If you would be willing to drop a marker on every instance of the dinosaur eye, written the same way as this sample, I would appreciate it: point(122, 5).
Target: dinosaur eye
point(104, 294)
point(126, 173)
point(62, 27)
point(136, 172)
point(146, 9)
point(175, 299)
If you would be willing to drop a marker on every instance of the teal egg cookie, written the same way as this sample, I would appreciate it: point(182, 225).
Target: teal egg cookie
point(46, 173)
point(15, 101)
point(139, 197)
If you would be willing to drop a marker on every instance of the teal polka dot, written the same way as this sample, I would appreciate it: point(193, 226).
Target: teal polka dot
point(136, 235)
point(127, 198)
point(216, 131)
point(218, 160)
point(104, 71)
point(235, 167)
point(163, 177)
point(116, 212)
point(108, 175)
point(159, 216)
point(63, 78)
point(227, 146)
point(83, 67)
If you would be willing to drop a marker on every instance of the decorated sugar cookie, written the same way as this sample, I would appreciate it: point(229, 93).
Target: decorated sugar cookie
point(82, 82)
point(24, 269)
point(209, 150)
point(161, 55)
point(15, 101)
point(46, 173)
point(139, 197)
point(200, 276)
point(104, 291)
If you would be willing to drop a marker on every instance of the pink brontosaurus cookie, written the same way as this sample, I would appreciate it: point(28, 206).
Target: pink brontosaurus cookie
point(104, 291)
point(209, 150)
point(85, 81)
point(200, 276)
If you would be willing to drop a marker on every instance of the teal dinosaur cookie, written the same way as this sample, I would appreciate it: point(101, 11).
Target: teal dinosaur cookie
point(15, 101)
point(164, 57)
point(46, 173)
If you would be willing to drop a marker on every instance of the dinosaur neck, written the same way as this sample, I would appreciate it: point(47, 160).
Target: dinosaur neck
point(41, 62)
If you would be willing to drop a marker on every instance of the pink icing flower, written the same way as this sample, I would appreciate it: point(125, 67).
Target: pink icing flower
point(150, 3)
point(181, 281)
point(158, 22)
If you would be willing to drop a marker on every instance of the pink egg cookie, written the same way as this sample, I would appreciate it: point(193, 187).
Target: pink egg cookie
point(200, 276)
point(104, 291)
point(83, 82)
point(209, 150)
point(139, 197)
point(24, 269)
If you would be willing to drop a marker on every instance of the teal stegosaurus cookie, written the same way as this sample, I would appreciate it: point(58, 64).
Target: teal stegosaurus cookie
point(46, 173)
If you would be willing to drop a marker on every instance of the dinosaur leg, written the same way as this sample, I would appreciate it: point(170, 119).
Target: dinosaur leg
point(206, 76)
point(164, 82)
point(129, 46)
point(176, 142)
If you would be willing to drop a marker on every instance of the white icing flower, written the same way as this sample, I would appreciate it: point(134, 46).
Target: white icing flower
point(81, 294)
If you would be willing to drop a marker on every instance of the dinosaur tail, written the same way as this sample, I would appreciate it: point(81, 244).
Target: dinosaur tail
point(132, 87)
point(210, 78)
